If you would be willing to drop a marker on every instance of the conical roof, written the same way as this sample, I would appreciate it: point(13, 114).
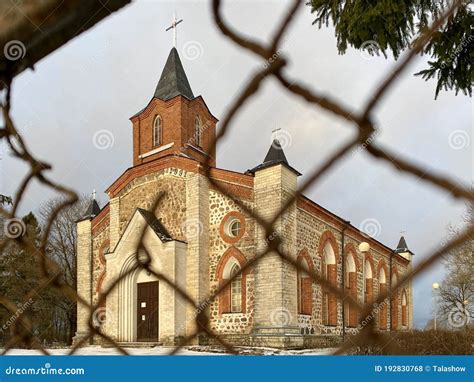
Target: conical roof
point(173, 80)
point(275, 155)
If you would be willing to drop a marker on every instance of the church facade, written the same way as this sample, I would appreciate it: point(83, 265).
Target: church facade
point(198, 238)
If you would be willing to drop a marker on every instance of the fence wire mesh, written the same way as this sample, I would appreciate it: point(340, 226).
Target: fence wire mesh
point(275, 62)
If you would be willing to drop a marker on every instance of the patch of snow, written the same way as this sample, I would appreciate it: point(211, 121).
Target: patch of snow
point(164, 350)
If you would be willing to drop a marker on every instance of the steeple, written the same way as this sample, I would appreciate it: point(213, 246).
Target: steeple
point(173, 80)
point(402, 249)
point(175, 122)
point(92, 210)
point(275, 156)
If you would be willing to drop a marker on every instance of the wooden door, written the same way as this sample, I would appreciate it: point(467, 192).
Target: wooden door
point(147, 311)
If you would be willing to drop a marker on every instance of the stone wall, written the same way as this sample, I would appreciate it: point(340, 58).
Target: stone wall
point(142, 191)
point(220, 205)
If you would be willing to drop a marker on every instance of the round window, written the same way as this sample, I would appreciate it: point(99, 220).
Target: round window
point(234, 228)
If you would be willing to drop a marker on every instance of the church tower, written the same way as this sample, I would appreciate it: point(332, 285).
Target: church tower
point(174, 122)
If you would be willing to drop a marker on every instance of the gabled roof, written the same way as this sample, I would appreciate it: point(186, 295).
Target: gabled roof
point(275, 155)
point(155, 225)
point(173, 80)
point(402, 246)
point(92, 210)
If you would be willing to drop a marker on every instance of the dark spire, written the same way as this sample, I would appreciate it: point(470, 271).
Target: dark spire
point(274, 156)
point(92, 210)
point(173, 80)
point(402, 246)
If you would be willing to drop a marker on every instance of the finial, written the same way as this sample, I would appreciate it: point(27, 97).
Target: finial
point(93, 194)
point(275, 133)
point(402, 232)
point(173, 26)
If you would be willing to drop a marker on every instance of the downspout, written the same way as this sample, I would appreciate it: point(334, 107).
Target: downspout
point(343, 267)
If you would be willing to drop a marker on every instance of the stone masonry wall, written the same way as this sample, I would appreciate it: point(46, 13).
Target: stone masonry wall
point(220, 205)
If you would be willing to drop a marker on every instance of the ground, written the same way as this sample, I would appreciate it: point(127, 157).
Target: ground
point(163, 350)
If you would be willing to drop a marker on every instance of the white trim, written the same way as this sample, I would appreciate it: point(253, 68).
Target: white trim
point(157, 150)
point(197, 149)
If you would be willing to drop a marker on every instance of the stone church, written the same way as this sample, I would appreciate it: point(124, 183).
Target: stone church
point(198, 237)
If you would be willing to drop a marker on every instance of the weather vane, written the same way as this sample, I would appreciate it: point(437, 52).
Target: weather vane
point(173, 26)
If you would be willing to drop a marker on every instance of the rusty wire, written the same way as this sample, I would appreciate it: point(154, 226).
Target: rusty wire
point(365, 128)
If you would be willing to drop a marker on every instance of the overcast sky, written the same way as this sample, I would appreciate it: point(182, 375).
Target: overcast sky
point(100, 79)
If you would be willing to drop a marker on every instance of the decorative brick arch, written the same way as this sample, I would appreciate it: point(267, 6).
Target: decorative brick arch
point(383, 287)
point(103, 246)
point(351, 314)
point(305, 284)
point(98, 290)
point(369, 282)
point(351, 249)
point(231, 255)
point(328, 236)
point(227, 218)
point(329, 271)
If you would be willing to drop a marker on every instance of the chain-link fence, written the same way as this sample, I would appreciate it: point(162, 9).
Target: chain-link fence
point(275, 65)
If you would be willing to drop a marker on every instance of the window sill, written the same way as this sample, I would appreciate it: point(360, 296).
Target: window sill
point(156, 150)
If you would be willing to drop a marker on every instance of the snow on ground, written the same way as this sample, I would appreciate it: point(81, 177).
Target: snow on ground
point(163, 350)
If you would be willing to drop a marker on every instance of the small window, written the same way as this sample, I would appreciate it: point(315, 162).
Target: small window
point(234, 228)
point(157, 131)
point(197, 131)
point(235, 290)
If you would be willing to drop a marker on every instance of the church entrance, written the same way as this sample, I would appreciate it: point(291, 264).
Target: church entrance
point(147, 311)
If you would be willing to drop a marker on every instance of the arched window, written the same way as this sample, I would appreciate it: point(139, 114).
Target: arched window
point(157, 127)
point(329, 272)
point(394, 307)
point(382, 290)
point(404, 309)
point(305, 285)
point(232, 298)
point(350, 313)
point(368, 282)
point(235, 290)
point(197, 131)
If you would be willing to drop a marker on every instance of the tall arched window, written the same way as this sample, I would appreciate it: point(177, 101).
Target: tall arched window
point(157, 127)
point(232, 299)
point(350, 313)
point(368, 282)
point(404, 309)
point(394, 307)
point(329, 272)
point(235, 290)
point(305, 285)
point(197, 131)
point(382, 290)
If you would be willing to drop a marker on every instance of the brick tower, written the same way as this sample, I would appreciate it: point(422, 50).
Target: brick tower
point(174, 121)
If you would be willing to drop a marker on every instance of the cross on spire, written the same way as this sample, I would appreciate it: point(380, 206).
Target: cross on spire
point(275, 133)
point(93, 194)
point(402, 232)
point(173, 26)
